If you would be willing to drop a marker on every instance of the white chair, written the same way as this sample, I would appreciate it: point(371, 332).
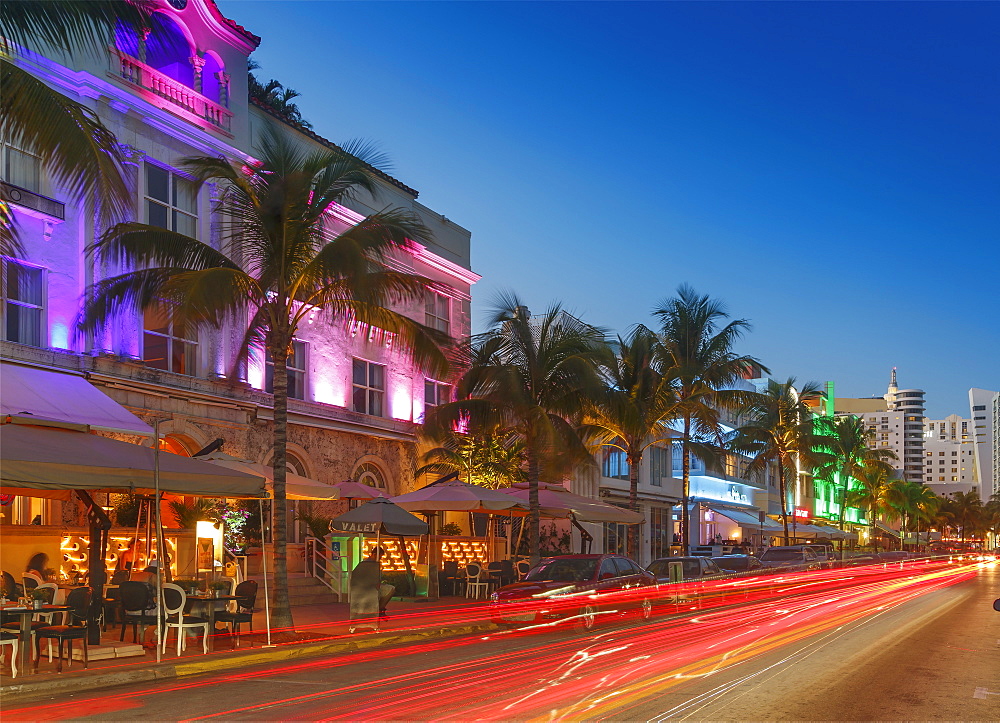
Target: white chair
point(473, 585)
point(174, 600)
point(11, 640)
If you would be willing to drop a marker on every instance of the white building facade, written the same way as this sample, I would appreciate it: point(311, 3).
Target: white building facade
point(180, 92)
point(984, 406)
point(949, 455)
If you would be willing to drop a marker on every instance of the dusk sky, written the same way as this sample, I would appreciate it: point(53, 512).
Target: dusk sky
point(829, 170)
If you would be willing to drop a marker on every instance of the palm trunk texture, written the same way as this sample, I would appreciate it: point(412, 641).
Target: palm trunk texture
point(533, 509)
point(686, 489)
point(783, 489)
point(633, 504)
point(281, 610)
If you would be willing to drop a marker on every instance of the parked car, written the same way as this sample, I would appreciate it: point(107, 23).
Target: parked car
point(894, 556)
point(797, 556)
point(693, 568)
point(575, 587)
point(858, 560)
point(824, 553)
point(737, 563)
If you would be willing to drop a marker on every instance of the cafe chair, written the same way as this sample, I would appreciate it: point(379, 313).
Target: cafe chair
point(11, 589)
point(246, 593)
point(523, 568)
point(174, 602)
point(11, 640)
point(473, 584)
point(30, 581)
point(36, 623)
point(78, 601)
point(134, 598)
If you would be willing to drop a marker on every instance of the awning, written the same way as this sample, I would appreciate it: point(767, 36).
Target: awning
point(886, 529)
point(810, 531)
point(51, 462)
point(43, 394)
point(557, 502)
point(746, 519)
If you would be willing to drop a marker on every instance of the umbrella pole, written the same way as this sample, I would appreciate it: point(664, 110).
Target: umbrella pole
point(159, 543)
point(263, 563)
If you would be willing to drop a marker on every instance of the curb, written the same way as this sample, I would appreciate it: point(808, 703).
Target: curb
point(83, 682)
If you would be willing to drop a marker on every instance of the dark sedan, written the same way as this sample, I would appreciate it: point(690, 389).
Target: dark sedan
point(738, 563)
point(576, 588)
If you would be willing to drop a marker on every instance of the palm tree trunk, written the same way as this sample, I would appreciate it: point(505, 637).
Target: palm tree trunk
point(533, 508)
point(281, 610)
point(685, 489)
point(782, 490)
point(633, 503)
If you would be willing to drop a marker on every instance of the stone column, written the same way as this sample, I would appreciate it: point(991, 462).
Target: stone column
point(197, 62)
point(223, 77)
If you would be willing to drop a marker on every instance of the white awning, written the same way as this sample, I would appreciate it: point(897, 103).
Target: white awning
point(811, 531)
point(747, 519)
point(886, 529)
point(51, 462)
point(55, 396)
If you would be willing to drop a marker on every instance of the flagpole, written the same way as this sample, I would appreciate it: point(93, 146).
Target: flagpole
point(160, 544)
point(263, 563)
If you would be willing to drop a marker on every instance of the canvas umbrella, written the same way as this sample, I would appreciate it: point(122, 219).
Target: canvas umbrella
point(558, 502)
point(297, 487)
point(351, 490)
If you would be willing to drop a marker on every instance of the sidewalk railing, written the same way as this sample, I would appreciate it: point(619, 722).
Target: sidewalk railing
point(328, 565)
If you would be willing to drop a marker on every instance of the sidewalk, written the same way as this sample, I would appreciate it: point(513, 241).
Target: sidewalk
point(319, 630)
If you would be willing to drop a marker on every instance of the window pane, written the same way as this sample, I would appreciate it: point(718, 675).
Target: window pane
point(156, 215)
point(185, 195)
point(154, 351)
point(187, 225)
point(23, 169)
point(377, 376)
point(430, 393)
point(24, 283)
point(296, 385)
point(375, 402)
point(429, 302)
point(361, 400)
point(297, 359)
point(269, 378)
point(24, 325)
point(360, 372)
point(443, 307)
point(154, 319)
point(183, 357)
point(157, 180)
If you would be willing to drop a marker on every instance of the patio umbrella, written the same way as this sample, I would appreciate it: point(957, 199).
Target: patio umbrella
point(380, 516)
point(351, 490)
point(558, 502)
point(455, 496)
point(297, 487)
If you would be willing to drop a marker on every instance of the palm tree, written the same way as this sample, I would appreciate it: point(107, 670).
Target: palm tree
point(275, 95)
point(633, 409)
point(282, 257)
point(778, 431)
point(697, 357)
point(848, 440)
point(532, 376)
point(870, 495)
point(492, 458)
point(967, 508)
point(925, 506)
point(81, 155)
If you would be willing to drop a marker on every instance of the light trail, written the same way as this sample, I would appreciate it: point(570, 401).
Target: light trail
point(566, 677)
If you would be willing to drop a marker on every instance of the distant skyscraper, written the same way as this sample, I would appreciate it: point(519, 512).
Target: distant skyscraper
point(985, 407)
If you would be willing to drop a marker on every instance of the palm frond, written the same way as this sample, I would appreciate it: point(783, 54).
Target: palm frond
point(70, 25)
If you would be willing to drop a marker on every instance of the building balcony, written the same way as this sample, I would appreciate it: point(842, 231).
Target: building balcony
point(172, 94)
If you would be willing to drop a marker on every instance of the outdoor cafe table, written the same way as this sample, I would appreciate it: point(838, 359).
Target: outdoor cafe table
point(208, 599)
point(24, 639)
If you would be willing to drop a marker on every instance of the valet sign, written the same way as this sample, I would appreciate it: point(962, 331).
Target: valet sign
point(720, 491)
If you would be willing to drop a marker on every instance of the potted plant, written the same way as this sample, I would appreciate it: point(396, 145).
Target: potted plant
point(187, 585)
point(219, 587)
point(40, 596)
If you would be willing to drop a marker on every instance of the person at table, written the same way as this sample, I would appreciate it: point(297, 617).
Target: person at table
point(126, 557)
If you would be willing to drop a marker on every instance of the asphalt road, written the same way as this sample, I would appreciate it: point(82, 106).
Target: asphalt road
point(894, 645)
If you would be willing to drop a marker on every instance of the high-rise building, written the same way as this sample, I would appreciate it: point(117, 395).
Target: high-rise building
point(949, 455)
point(896, 422)
point(985, 407)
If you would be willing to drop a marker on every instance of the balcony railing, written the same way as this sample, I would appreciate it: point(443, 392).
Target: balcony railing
point(187, 99)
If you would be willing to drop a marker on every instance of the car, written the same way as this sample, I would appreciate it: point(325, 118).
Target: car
point(692, 568)
point(796, 556)
point(824, 553)
point(576, 588)
point(858, 560)
point(737, 563)
point(894, 556)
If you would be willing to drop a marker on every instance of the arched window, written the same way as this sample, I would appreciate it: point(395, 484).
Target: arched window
point(174, 446)
point(168, 50)
point(369, 474)
point(210, 87)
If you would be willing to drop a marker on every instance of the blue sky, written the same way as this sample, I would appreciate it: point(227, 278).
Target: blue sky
point(830, 170)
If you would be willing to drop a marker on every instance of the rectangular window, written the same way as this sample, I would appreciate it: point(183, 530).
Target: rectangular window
point(437, 311)
point(296, 366)
point(615, 538)
point(660, 465)
point(171, 201)
point(659, 532)
point(168, 346)
point(369, 387)
point(23, 302)
point(614, 465)
point(22, 169)
point(435, 393)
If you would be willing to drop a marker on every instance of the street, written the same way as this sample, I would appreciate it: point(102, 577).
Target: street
point(856, 644)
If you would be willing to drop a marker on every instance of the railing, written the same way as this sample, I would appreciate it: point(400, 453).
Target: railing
point(138, 73)
point(327, 565)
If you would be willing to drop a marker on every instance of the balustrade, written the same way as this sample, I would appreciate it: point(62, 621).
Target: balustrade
point(178, 94)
